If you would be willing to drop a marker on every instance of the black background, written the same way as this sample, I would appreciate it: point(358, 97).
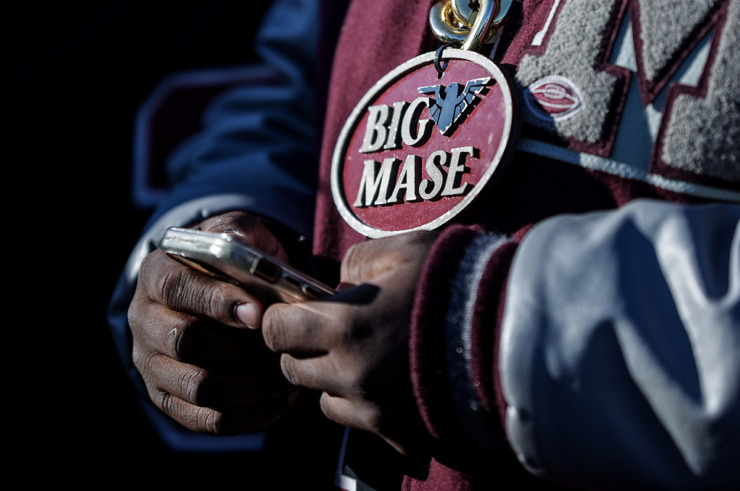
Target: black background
point(73, 76)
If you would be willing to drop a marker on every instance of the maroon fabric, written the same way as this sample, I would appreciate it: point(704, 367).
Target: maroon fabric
point(440, 478)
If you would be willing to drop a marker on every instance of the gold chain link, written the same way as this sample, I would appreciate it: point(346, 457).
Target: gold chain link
point(468, 24)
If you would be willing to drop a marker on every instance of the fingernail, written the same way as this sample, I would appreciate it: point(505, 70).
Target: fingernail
point(248, 314)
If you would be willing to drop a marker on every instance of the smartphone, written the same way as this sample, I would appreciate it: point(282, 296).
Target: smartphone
point(222, 256)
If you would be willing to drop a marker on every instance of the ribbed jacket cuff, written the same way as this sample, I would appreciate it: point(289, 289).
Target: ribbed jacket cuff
point(454, 338)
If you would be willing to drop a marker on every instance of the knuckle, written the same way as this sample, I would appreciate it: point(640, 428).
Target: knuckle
point(325, 403)
point(177, 342)
point(340, 411)
point(132, 313)
point(287, 366)
point(137, 357)
point(216, 301)
point(136, 314)
point(211, 421)
point(192, 383)
point(177, 288)
point(166, 403)
point(196, 416)
point(144, 361)
point(222, 423)
point(272, 328)
point(185, 290)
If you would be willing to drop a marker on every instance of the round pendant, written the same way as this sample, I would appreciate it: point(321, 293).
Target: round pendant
point(423, 143)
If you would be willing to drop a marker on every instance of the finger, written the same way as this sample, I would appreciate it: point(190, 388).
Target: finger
point(370, 259)
point(183, 289)
point(209, 388)
point(232, 421)
point(158, 329)
point(322, 374)
point(189, 339)
point(362, 263)
point(342, 411)
point(302, 329)
point(407, 437)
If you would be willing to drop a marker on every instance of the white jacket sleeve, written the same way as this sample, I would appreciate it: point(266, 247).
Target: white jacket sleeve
point(620, 348)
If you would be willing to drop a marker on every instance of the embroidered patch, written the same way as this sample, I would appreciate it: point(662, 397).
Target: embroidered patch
point(392, 172)
point(553, 98)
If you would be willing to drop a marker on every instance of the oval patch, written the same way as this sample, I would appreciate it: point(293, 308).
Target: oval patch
point(553, 98)
point(419, 148)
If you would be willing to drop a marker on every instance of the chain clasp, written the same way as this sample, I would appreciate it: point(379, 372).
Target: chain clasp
point(468, 24)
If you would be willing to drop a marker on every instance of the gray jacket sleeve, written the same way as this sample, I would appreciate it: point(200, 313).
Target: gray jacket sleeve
point(620, 348)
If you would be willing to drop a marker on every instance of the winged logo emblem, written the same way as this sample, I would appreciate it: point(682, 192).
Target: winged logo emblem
point(452, 102)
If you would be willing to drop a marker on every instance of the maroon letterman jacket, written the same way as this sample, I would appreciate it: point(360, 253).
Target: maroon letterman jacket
point(569, 326)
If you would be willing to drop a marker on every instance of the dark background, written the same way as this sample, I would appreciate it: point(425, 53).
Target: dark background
point(73, 76)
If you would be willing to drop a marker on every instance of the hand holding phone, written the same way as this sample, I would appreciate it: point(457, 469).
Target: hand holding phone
point(224, 257)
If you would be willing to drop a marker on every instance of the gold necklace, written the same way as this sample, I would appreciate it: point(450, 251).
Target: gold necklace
point(468, 24)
